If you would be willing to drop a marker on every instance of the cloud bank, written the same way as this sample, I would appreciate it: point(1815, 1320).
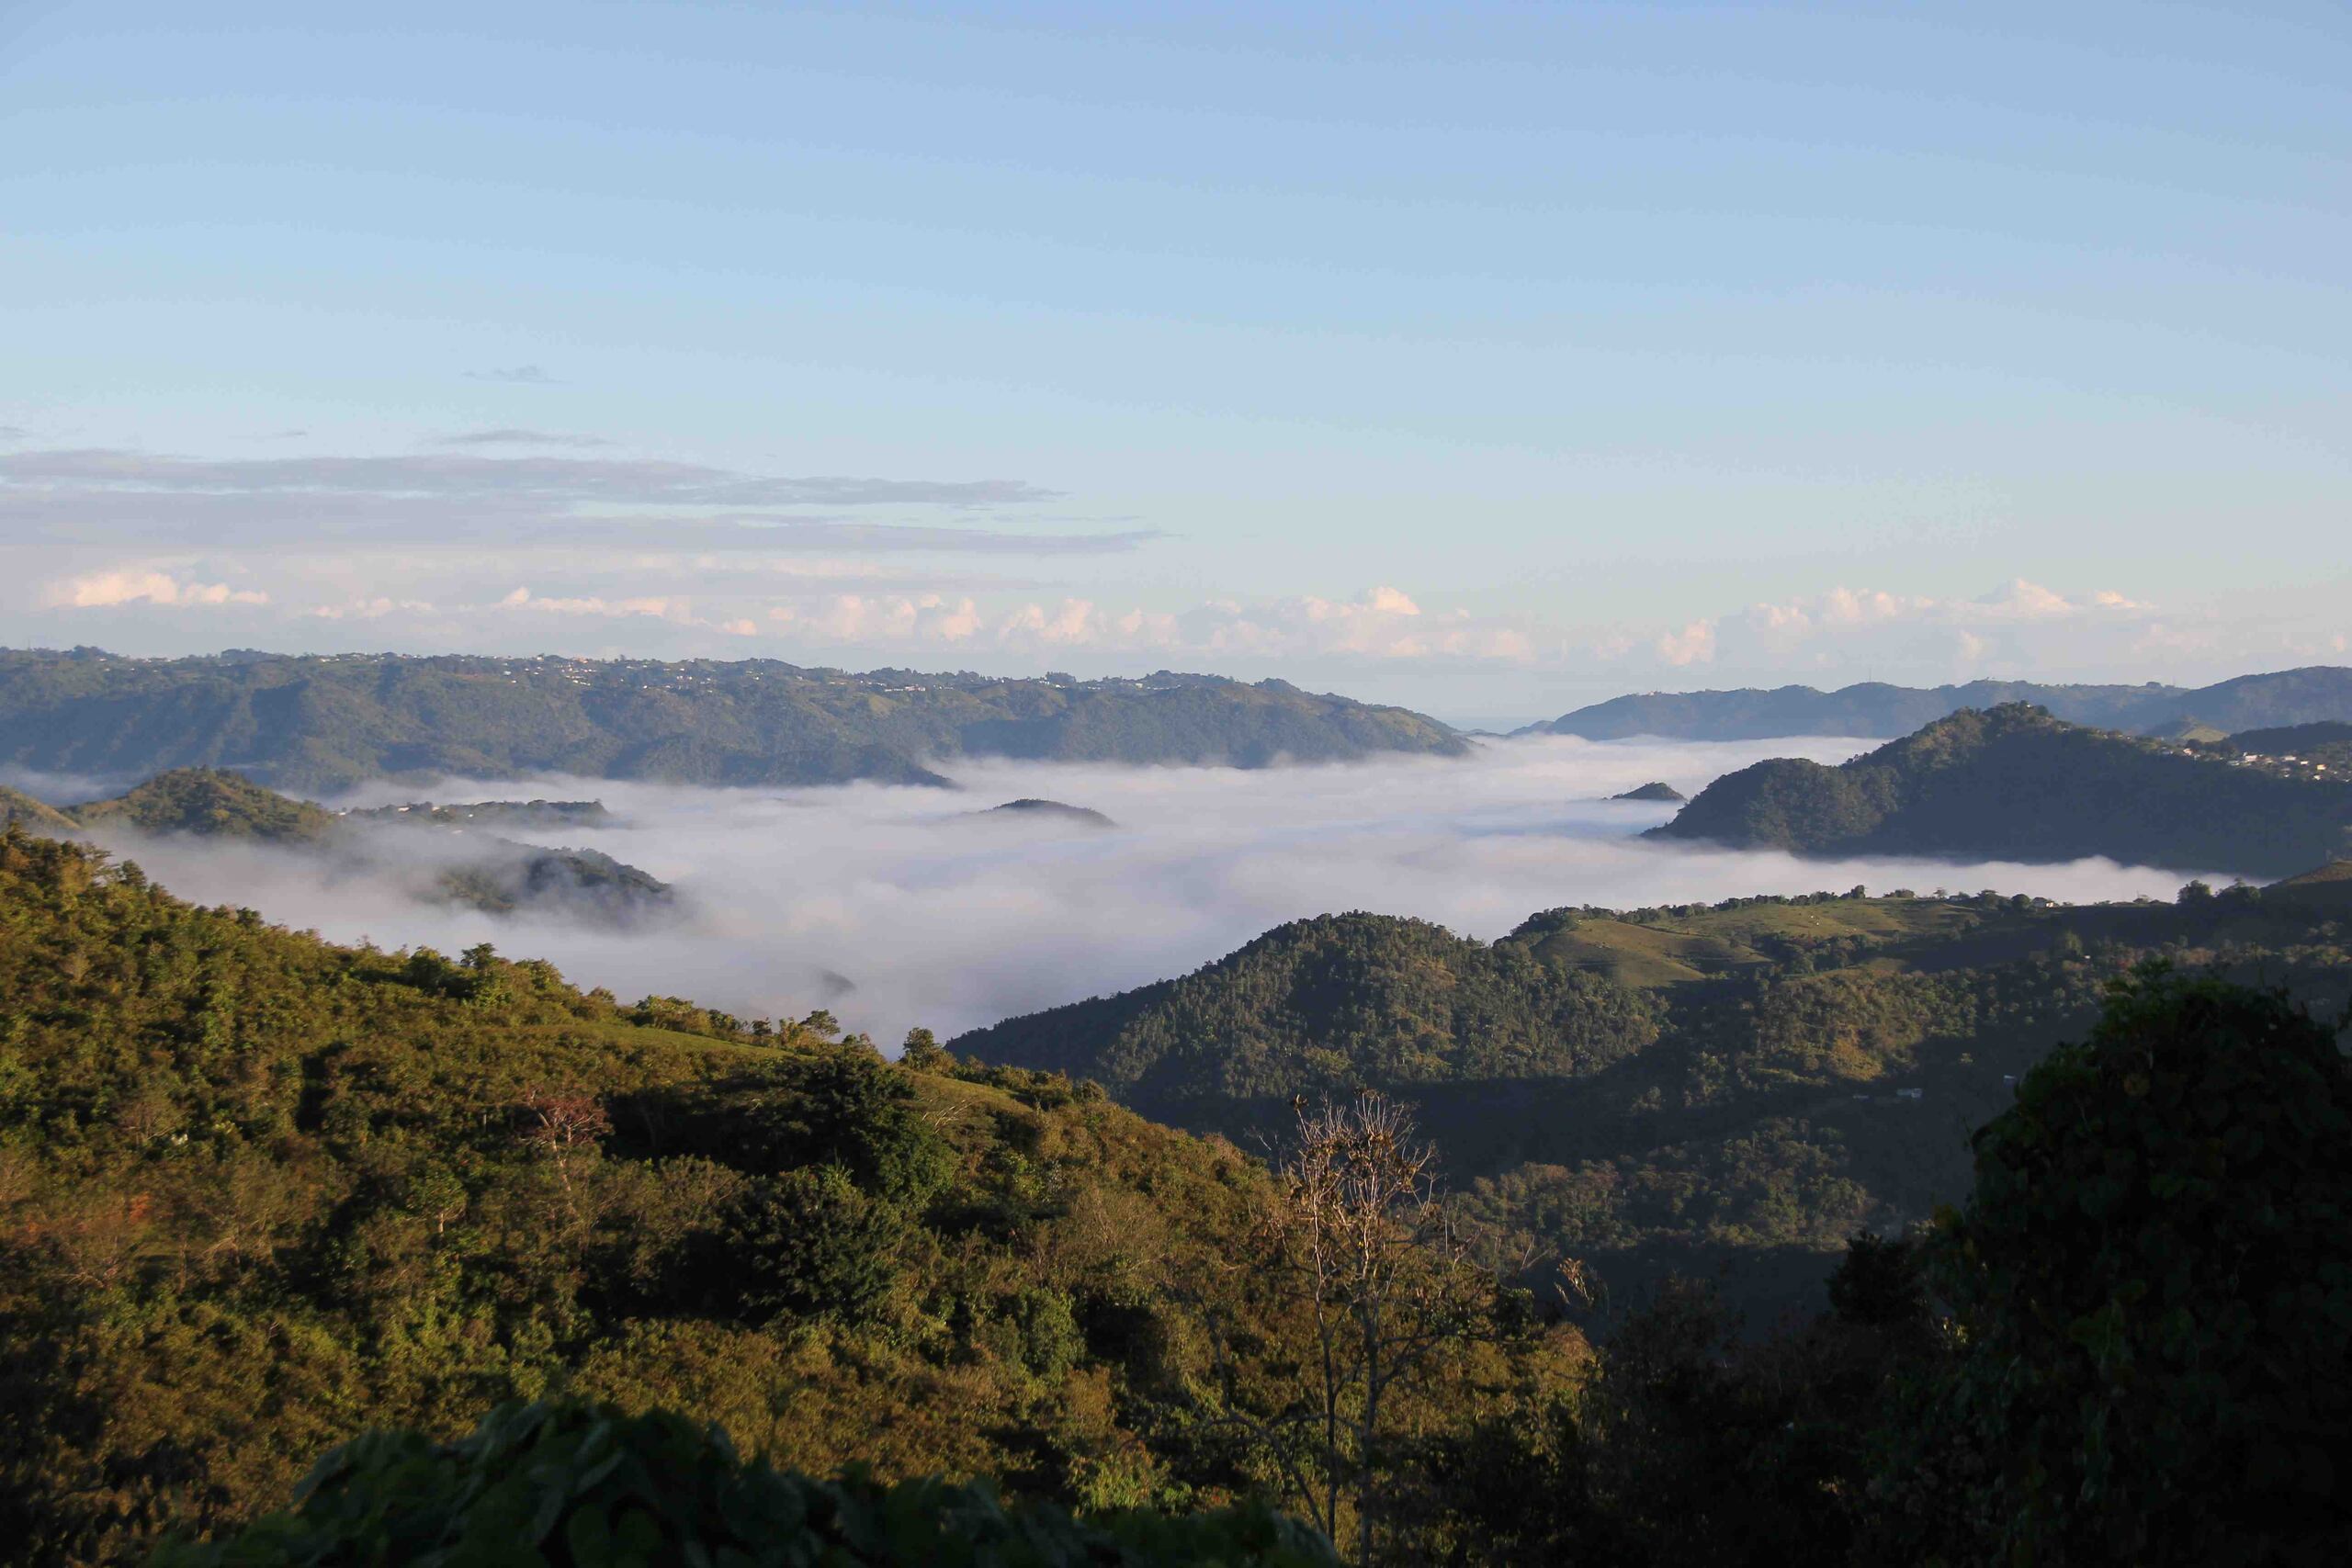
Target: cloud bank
point(934, 914)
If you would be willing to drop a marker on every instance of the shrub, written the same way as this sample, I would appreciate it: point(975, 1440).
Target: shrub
point(2154, 1282)
point(807, 1243)
point(585, 1486)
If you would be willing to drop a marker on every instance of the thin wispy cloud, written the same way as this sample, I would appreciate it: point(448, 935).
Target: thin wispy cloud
point(520, 438)
point(519, 375)
point(468, 500)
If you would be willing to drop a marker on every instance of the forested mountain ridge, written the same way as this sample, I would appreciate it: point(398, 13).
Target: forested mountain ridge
point(2013, 783)
point(1737, 1087)
point(323, 722)
point(1321, 1004)
point(1874, 708)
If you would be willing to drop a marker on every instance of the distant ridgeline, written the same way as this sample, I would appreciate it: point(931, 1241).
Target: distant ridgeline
point(2014, 783)
point(494, 874)
point(1873, 708)
point(319, 723)
point(1685, 1088)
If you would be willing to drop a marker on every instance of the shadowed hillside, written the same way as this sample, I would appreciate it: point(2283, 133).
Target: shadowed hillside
point(2014, 784)
point(1737, 1087)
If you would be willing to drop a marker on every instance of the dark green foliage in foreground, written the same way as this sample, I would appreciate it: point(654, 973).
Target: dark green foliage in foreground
point(2015, 784)
point(575, 1486)
point(2133, 1347)
point(807, 1244)
point(2153, 1278)
point(320, 723)
point(259, 1193)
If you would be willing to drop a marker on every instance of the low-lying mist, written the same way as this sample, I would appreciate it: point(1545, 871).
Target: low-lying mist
point(896, 906)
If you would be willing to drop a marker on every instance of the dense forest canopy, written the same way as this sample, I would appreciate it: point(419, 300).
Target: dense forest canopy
point(2012, 783)
point(324, 722)
point(258, 1192)
point(1737, 1087)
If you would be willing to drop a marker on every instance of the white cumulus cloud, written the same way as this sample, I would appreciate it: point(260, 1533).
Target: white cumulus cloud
point(103, 590)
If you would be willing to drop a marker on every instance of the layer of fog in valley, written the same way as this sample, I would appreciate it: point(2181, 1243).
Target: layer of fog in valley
point(894, 907)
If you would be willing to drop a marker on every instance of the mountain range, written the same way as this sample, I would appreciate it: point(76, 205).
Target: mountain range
point(1873, 708)
point(320, 723)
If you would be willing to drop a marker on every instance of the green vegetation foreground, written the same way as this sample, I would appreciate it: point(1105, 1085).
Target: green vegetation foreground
point(259, 1195)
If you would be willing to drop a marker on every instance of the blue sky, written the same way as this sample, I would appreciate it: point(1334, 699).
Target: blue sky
point(1489, 358)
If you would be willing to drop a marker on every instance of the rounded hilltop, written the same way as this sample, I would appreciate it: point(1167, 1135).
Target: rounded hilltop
point(1032, 807)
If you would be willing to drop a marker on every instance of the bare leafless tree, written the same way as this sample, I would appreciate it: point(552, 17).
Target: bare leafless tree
point(565, 1127)
point(1357, 1238)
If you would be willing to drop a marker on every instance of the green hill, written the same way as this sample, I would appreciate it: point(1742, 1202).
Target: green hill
point(258, 1192)
point(36, 815)
point(1319, 1005)
point(2013, 783)
point(1733, 1088)
point(213, 804)
point(2285, 696)
point(320, 723)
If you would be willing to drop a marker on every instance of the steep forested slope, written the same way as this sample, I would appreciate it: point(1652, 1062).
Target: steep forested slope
point(317, 723)
point(2013, 783)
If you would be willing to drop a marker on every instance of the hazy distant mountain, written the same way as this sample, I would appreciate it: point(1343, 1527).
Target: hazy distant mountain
point(2014, 783)
point(1656, 790)
point(2285, 696)
point(317, 723)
